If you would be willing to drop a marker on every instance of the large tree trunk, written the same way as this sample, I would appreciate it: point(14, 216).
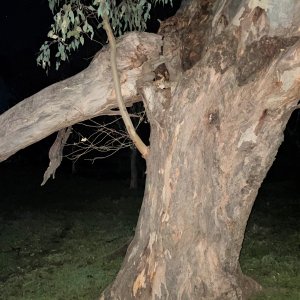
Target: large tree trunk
point(214, 135)
point(234, 70)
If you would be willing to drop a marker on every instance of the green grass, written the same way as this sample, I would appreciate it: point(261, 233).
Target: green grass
point(271, 250)
point(67, 239)
point(53, 258)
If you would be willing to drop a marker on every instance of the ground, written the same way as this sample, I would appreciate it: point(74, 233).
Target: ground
point(67, 239)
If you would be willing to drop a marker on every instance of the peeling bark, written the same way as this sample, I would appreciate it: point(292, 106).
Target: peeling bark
point(214, 135)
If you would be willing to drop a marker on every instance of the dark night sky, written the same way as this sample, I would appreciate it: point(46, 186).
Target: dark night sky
point(24, 25)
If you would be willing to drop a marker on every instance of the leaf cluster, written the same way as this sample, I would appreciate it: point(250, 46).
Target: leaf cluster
point(76, 20)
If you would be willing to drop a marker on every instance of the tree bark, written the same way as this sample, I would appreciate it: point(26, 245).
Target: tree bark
point(81, 97)
point(214, 135)
point(217, 111)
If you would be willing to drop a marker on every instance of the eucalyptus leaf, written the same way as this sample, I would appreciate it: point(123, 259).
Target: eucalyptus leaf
point(73, 17)
point(82, 40)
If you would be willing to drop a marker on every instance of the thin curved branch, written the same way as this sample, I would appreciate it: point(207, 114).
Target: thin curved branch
point(144, 150)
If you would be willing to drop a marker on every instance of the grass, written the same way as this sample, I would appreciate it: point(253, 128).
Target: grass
point(271, 250)
point(67, 239)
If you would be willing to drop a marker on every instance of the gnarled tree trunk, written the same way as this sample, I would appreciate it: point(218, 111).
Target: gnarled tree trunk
point(214, 135)
point(232, 73)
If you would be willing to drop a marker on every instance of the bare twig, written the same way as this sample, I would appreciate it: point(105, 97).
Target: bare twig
point(105, 138)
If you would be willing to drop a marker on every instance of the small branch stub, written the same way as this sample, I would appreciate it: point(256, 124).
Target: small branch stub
point(56, 153)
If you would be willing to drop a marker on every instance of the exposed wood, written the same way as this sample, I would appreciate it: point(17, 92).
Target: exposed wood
point(81, 97)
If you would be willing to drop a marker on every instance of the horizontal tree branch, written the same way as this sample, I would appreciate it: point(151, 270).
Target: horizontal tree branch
point(83, 96)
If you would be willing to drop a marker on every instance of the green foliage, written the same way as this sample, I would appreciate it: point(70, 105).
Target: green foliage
point(76, 20)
